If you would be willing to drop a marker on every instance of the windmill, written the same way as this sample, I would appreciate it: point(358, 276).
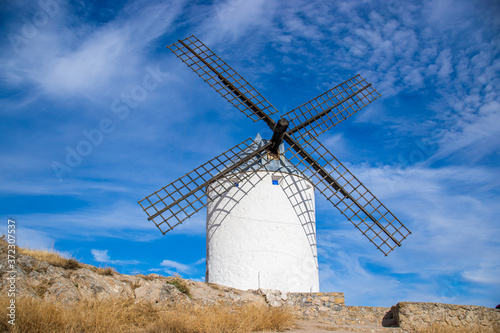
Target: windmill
point(260, 195)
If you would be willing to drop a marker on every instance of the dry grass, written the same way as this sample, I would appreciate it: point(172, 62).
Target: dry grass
point(105, 271)
point(147, 277)
point(222, 318)
point(214, 286)
point(52, 257)
point(110, 316)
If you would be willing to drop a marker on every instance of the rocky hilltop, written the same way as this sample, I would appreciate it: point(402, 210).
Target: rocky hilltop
point(69, 281)
point(53, 278)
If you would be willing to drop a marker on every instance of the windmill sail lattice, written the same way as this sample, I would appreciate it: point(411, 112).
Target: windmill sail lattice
point(349, 196)
point(299, 128)
point(330, 108)
point(179, 200)
point(222, 78)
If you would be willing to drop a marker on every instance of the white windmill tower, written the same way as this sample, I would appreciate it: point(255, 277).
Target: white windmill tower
point(262, 232)
point(259, 196)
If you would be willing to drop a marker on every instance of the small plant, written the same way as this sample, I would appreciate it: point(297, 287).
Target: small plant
point(147, 277)
point(106, 271)
point(71, 264)
point(181, 286)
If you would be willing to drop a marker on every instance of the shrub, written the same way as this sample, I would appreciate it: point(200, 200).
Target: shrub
point(71, 264)
point(106, 271)
point(181, 286)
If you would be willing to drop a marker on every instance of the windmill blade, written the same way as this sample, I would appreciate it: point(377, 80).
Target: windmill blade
point(332, 179)
point(330, 108)
point(179, 200)
point(225, 80)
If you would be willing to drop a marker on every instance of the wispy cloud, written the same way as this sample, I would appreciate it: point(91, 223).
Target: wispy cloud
point(101, 256)
point(172, 267)
point(451, 212)
point(234, 18)
point(65, 61)
point(30, 238)
point(472, 139)
point(124, 220)
point(177, 266)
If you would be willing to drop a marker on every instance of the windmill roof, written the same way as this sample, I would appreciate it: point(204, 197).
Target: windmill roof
point(266, 163)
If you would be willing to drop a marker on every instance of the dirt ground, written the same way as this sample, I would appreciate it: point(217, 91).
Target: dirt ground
point(315, 327)
point(307, 326)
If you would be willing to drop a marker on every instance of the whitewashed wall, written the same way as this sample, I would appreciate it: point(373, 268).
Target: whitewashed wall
point(261, 235)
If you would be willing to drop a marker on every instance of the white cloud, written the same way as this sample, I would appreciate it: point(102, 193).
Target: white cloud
point(336, 143)
point(172, 267)
point(121, 219)
point(179, 267)
point(452, 214)
point(102, 256)
point(344, 272)
point(473, 138)
point(30, 238)
point(195, 225)
point(91, 60)
point(233, 18)
point(486, 273)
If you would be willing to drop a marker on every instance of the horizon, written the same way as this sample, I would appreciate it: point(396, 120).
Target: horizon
point(97, 114)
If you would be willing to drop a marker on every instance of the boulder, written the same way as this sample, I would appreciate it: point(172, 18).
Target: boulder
point(158, 292)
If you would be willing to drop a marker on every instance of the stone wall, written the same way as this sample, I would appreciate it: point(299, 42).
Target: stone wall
point(318, 300)
point(330, 308)
point(414, 317)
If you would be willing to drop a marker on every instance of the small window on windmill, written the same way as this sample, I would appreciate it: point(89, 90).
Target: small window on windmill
point(235, 182)
point(276, 180)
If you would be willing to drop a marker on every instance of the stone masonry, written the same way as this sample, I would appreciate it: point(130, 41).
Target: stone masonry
point(413, 317)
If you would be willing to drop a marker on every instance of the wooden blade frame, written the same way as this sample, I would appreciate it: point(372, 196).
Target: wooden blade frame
point(332, 179)
point(179, 200)
point(184, 197)
point(330, 108)
point(220, 76)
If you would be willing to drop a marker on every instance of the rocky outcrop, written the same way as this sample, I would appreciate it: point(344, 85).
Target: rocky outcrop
point(72, 283)
point(276, 298)
point(40, 279)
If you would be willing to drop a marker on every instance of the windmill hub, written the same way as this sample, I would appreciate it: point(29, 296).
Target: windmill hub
point(261, 228)
point(278, 134)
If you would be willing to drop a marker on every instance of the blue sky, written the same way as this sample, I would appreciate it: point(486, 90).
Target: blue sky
point(96, 77)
